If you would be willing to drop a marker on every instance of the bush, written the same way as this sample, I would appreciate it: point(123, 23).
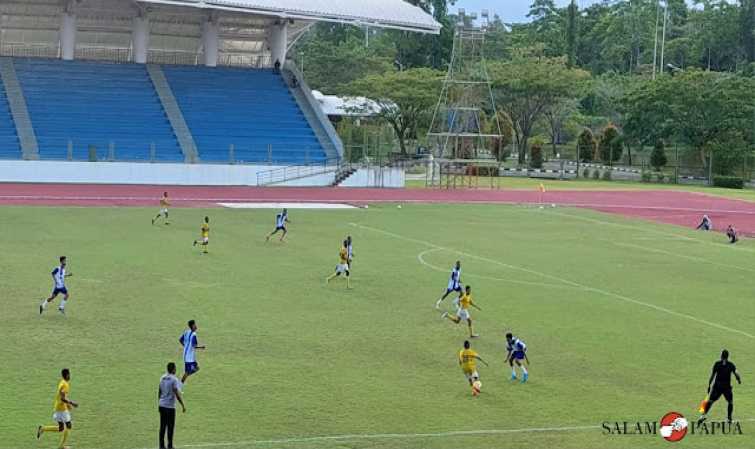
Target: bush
point(729, 182)
point(646, 176)
point(586, 145)
point(596, 174)
point(659, 177)
point(610, 146)
point(607, 175)
point(536, 155)
point(658, 158)
point(586, 173)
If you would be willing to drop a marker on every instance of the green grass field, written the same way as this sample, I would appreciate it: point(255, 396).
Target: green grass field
point(623, 320)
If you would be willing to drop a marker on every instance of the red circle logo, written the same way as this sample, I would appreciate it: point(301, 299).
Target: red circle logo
point(673, 426)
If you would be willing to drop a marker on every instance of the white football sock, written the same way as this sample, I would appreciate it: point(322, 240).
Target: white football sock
point(62, 304)
point(524, 370)
point(44, 304)
point(513, 370)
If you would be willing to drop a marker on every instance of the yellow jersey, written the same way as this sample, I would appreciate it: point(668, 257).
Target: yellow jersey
point(205, 230)
point(164, 202)
point(344, 256)
point(468, 360)
point(59, 405)
point(465, 301)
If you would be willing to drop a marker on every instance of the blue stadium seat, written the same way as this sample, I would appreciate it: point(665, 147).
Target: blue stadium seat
point(251, 109)
point(10, 147)
point(95, 103)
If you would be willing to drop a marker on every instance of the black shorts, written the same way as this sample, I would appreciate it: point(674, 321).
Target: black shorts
point(717, 391)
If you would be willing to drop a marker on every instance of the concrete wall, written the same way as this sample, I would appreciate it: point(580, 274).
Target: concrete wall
point(377, 177)
point(178, 174)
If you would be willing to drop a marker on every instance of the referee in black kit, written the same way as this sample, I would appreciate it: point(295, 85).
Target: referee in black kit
point(720, 384)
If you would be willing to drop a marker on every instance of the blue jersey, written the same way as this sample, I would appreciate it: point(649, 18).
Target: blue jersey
point(280, 220)
point(516, 345)
point(189, 341)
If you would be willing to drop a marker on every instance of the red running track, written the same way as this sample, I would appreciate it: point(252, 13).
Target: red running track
point(674, 207)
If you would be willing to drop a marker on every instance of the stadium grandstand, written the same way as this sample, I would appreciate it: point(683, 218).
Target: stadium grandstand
point(172, 81)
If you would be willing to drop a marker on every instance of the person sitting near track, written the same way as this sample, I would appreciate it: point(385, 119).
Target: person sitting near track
point(705, 224)
point(731, 232)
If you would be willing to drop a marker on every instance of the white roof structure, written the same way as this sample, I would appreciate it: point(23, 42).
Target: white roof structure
point(377, 13)
point(333, 105)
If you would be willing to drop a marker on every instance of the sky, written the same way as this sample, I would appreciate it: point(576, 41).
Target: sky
point(509, 10)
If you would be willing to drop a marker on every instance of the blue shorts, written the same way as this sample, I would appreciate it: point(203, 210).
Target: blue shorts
point(456, 288)
point(191, 367)
point(60, 290)
point(280, 228)
point(518, 355)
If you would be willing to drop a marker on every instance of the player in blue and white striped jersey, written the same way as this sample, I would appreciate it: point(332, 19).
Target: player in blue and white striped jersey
point(280, 224)
point(454, 284)
point(190, 344)
point(517, 352)
point(59, 276)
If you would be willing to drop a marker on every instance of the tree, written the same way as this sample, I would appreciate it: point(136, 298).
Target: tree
point(556, 115)
point(586, 145)
point(405, 99)
point(747, 29)
point(610, 145)
point(525, 86)
point(536, 154)
point(571, 34)
point(658, 158)
point(507, 134)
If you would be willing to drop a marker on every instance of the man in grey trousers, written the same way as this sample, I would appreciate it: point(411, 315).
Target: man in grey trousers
point(167, 393)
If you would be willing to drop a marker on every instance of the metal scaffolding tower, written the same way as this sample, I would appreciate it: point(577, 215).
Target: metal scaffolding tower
point(465, 124)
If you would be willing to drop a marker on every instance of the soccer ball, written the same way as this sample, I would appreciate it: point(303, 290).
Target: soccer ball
point(366, 206)
point(476, 387)
point(399, 206)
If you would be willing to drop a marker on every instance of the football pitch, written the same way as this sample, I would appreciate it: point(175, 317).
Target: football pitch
point(623, 320)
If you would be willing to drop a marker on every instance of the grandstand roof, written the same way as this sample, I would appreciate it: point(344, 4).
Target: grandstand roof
point(377, 13)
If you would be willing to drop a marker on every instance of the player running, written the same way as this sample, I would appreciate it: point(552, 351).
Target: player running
point(349, 251)
point(705, 224)
point(280, 225)
point(205, 240)
point(62, 407)
point(343, 265)
point(190, 344)
point(720, 384)
point(468, 362)
point(454, 283)
point(59, 276)
point(517, 351)
point(462, 311)
point(164, 203)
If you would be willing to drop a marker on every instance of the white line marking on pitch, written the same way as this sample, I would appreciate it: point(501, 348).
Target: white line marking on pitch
point(681, 256)
point(421, 258)
point(565, 281)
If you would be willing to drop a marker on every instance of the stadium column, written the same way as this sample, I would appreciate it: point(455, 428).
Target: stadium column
point(279, 42)
point(140, 39)
point(68, 35)
point(210, 41)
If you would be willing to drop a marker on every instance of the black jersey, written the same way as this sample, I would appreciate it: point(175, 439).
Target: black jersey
point(723, 371)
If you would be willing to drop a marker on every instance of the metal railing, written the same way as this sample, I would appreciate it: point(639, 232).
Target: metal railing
point(283, 174)
point(19, 50)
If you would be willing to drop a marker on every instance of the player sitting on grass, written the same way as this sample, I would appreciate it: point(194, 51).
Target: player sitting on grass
point(462, 311)
point(280, 225)
point(517, 351)
point(732, 234)
point(59, 276)
point(343, 265)
point(205, 240)
point(468, 361)
point(454, 283)
point(705, 224)
point(164, 203)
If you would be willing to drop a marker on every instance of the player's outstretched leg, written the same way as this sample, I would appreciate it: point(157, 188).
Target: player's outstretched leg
point(471, 332)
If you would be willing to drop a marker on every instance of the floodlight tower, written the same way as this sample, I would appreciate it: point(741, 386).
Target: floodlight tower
point(465, 123)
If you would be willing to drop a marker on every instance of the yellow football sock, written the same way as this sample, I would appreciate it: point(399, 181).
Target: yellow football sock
point(64, 437)
point(49, 428)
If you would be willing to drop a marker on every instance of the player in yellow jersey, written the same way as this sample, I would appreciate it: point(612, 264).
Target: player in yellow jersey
point(462, 311)
point(164, 203)
point(343, 265)
point(205, 240)
point(61, 410)
point(468, 362)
